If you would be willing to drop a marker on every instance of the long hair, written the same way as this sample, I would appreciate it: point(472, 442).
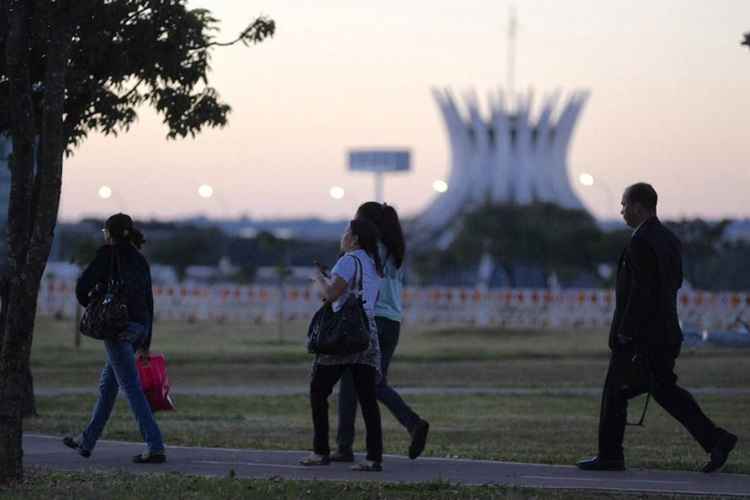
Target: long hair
point(121, 229)
point(367, 237)
point(386, 220)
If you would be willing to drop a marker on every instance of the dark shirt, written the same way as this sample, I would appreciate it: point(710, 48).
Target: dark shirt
point(649, 274)
point(135, 274)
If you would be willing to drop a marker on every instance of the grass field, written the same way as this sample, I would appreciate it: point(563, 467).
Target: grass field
point(205, 354)
point(531, 428)
point(41, 485)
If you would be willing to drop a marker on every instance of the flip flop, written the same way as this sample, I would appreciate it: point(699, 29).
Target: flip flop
point(368, 467)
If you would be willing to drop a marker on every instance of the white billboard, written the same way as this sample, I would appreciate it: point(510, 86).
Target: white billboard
point(379, 160)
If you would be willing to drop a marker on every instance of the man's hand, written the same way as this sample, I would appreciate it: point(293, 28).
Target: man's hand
point(624, 340)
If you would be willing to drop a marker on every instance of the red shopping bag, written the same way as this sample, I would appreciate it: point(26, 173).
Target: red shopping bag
point(155, 382)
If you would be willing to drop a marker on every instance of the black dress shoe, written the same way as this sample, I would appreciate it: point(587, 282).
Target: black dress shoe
point(418, 439)
point(598, 463)
point(720, 452)
point(71, 442)
point(150, 458)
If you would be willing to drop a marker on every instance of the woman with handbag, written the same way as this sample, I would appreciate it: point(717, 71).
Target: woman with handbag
point(119, 260)
point(388, 315)
point(359, 268)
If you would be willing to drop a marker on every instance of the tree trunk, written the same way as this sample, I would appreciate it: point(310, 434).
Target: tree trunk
point(15, 332)
point(29, 401)
point(32, 213)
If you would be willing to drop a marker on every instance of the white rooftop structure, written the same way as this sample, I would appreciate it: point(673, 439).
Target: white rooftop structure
point(511, 153)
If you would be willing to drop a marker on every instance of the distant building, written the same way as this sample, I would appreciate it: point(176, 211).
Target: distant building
point(510, 154)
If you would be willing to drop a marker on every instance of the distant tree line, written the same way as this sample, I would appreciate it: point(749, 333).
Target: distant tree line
point(569, 243)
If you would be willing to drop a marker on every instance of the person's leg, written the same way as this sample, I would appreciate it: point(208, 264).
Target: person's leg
point(324, 377)
point(364, 382)
point(108, 389)
point(347, 414)
point(680, 403)
point(614, 409)
point(122, 359)
point(388, 334)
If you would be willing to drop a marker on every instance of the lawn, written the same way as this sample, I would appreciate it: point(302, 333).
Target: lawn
point(44, 485)
point(539, 428)
point(210, 354)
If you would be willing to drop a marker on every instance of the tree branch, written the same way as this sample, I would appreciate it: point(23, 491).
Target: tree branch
point(258, 31)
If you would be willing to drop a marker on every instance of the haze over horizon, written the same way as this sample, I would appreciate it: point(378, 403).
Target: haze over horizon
point(669, 104)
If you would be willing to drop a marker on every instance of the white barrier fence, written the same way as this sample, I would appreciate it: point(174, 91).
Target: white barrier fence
point(509, 308)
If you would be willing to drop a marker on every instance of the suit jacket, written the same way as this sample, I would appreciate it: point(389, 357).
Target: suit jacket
point(649, 274)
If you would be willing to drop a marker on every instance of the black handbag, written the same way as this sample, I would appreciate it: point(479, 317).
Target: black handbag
point(342, 332)
point(106, 315)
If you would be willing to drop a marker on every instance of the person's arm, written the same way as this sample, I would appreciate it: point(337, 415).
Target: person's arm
point(143, 351)
point(96, 272)
point(331, 288)
point(334, 287)
point(642, 304)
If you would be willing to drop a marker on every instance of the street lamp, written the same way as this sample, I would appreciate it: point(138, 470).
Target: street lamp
point(336, 192)
point(205, 191)
point(440, 186)
point(588, 180)
point(107, 193)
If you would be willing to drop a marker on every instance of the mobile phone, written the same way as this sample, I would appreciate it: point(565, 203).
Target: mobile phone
point(323, 269)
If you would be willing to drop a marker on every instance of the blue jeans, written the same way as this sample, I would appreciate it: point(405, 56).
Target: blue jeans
point(388, 333)
point(120, 372)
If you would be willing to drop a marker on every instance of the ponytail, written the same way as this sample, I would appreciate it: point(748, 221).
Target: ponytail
point(386, 219)
point(136, 238)
point(393, 235)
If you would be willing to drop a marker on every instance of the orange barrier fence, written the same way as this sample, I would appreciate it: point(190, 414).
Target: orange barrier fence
point(511, 308)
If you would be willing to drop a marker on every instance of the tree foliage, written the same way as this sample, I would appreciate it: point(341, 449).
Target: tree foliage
point(545, 236)
point(128, 53)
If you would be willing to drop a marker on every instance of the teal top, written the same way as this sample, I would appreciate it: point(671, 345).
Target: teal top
point(389, 299)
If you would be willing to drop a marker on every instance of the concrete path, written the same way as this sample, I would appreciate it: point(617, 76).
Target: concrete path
point(406, 391)
point(48, 451)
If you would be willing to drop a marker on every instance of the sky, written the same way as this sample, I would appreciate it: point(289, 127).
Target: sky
point(670, 104)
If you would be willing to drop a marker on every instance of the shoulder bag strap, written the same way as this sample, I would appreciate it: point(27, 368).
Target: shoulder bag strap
point(360, 270)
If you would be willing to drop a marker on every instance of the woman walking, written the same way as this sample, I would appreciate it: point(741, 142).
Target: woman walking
point(121, 254)
point(360, 259)
point(388, 315)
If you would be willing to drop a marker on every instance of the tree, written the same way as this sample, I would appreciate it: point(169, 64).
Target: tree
point(67, 68)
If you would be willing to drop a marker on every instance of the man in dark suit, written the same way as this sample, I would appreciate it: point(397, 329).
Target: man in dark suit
point(645, 338)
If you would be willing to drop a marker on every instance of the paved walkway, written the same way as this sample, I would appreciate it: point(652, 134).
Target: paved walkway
point(420, 391)
point(48, 451)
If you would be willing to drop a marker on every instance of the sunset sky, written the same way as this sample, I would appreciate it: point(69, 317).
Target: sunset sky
point(670, 104)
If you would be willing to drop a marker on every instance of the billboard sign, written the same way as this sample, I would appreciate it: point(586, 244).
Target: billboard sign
point(379, 160)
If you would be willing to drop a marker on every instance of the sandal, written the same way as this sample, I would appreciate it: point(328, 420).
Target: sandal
point(368, 467)
point(315, 459)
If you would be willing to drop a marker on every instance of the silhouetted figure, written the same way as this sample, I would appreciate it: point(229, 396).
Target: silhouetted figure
point(645, 338)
